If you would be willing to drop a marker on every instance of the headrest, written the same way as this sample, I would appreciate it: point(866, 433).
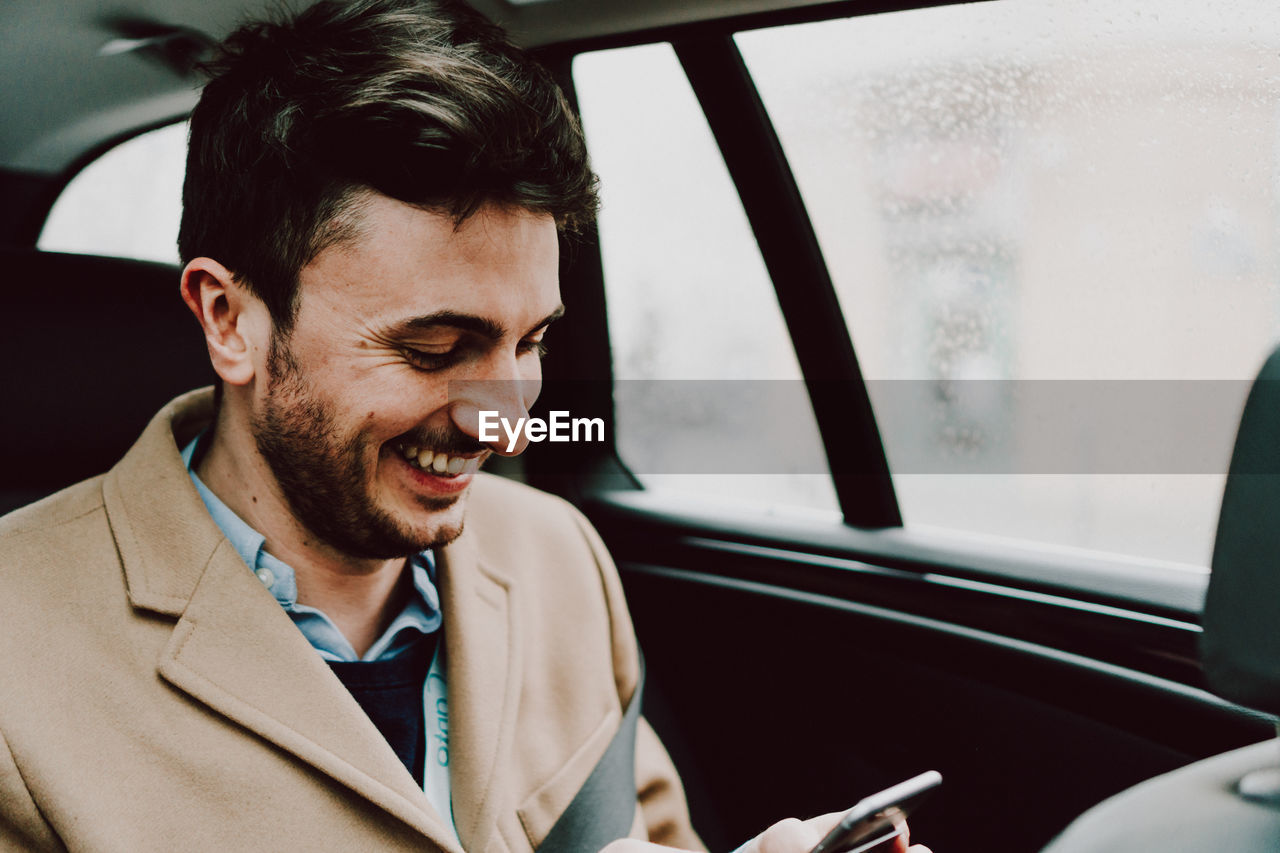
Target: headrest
point(92, 348)
point(1240, 647)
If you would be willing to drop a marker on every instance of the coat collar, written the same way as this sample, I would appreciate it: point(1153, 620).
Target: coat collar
point(165, 535)
point(235, 650)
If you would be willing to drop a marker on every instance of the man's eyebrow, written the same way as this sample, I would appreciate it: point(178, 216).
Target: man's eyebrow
point(547, 320)
point(476, 324)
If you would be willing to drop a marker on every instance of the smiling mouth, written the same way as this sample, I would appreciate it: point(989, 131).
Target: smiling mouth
point(440, 464)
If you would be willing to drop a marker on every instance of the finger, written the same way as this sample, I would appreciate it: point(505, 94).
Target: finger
point(823, 823)
point(788, 836)
point(903, 839)
point(792, 835)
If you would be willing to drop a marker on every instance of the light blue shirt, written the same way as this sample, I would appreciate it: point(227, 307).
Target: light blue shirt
point(421, 614)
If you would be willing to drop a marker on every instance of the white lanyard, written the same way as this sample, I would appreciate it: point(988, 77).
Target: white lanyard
point(435, 776)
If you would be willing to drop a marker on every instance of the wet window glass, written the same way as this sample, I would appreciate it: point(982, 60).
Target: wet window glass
point(1010, 195)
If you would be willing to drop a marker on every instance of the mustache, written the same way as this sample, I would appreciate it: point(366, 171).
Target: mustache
point(451, 442)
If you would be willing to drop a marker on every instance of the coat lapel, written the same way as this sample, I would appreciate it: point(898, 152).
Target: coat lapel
point(234, 648)
point(237, 651)
point(483, 674)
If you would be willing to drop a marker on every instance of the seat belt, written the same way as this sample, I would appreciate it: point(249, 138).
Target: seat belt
point(604, 808)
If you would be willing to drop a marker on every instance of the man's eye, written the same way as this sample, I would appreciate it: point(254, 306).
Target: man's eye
point(420, 360)
point(538, 347)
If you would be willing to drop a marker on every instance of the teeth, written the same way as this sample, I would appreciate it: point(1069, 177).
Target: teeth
point(440, 463)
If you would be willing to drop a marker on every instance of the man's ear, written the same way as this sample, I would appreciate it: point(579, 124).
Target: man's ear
point(236, 323)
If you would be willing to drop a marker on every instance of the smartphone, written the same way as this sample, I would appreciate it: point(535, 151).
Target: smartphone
point(874, 820)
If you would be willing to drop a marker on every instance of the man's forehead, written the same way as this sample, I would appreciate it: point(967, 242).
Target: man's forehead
point(406, 263)
point(376, 219)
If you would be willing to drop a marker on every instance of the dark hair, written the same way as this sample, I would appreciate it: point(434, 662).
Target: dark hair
point(425, 101)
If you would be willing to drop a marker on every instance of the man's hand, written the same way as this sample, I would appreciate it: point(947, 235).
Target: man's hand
point(786, 836)
point(800, 836)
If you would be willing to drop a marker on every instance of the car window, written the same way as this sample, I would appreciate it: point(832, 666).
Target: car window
point(707, 383)
point(126, 203)
point(1038, 216)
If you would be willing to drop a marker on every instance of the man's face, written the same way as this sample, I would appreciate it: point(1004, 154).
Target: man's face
point(356, 421)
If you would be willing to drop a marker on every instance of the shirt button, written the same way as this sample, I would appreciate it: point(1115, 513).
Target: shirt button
point(266, 577)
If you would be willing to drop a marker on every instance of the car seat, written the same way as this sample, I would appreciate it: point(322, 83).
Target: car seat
point(1230, 802)
point(94, 347)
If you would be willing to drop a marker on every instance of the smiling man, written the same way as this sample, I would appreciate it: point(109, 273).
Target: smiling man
point(351, 440)
point(295, 616)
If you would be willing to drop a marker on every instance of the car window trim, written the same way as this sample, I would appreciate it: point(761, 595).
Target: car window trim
point(805, 13)
point(789, 247)
point(1163, 591)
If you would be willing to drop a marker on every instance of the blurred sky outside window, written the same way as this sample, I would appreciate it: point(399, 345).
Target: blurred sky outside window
point(127, 203)
point(1039, 191)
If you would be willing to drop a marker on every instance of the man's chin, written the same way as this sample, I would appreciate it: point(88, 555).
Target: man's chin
point(418, 522)
point(445, 522)
point(404, 540)
point(445, 536)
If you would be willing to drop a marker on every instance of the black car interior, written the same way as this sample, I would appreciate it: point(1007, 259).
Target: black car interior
point(793, 667)
point(94, 347)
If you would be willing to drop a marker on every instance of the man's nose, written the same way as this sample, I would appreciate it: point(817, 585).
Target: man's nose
point(494, 411)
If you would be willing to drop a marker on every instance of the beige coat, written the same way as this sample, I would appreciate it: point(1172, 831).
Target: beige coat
point(154, 696)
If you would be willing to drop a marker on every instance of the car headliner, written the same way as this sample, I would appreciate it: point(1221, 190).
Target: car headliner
point(72, 97)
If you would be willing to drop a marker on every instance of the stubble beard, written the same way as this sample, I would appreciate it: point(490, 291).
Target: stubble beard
point(324, 476)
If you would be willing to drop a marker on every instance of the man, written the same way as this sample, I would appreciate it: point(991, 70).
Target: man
point(268, 626)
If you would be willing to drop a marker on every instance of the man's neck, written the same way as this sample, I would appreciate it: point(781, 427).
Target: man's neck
point(361, 596)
